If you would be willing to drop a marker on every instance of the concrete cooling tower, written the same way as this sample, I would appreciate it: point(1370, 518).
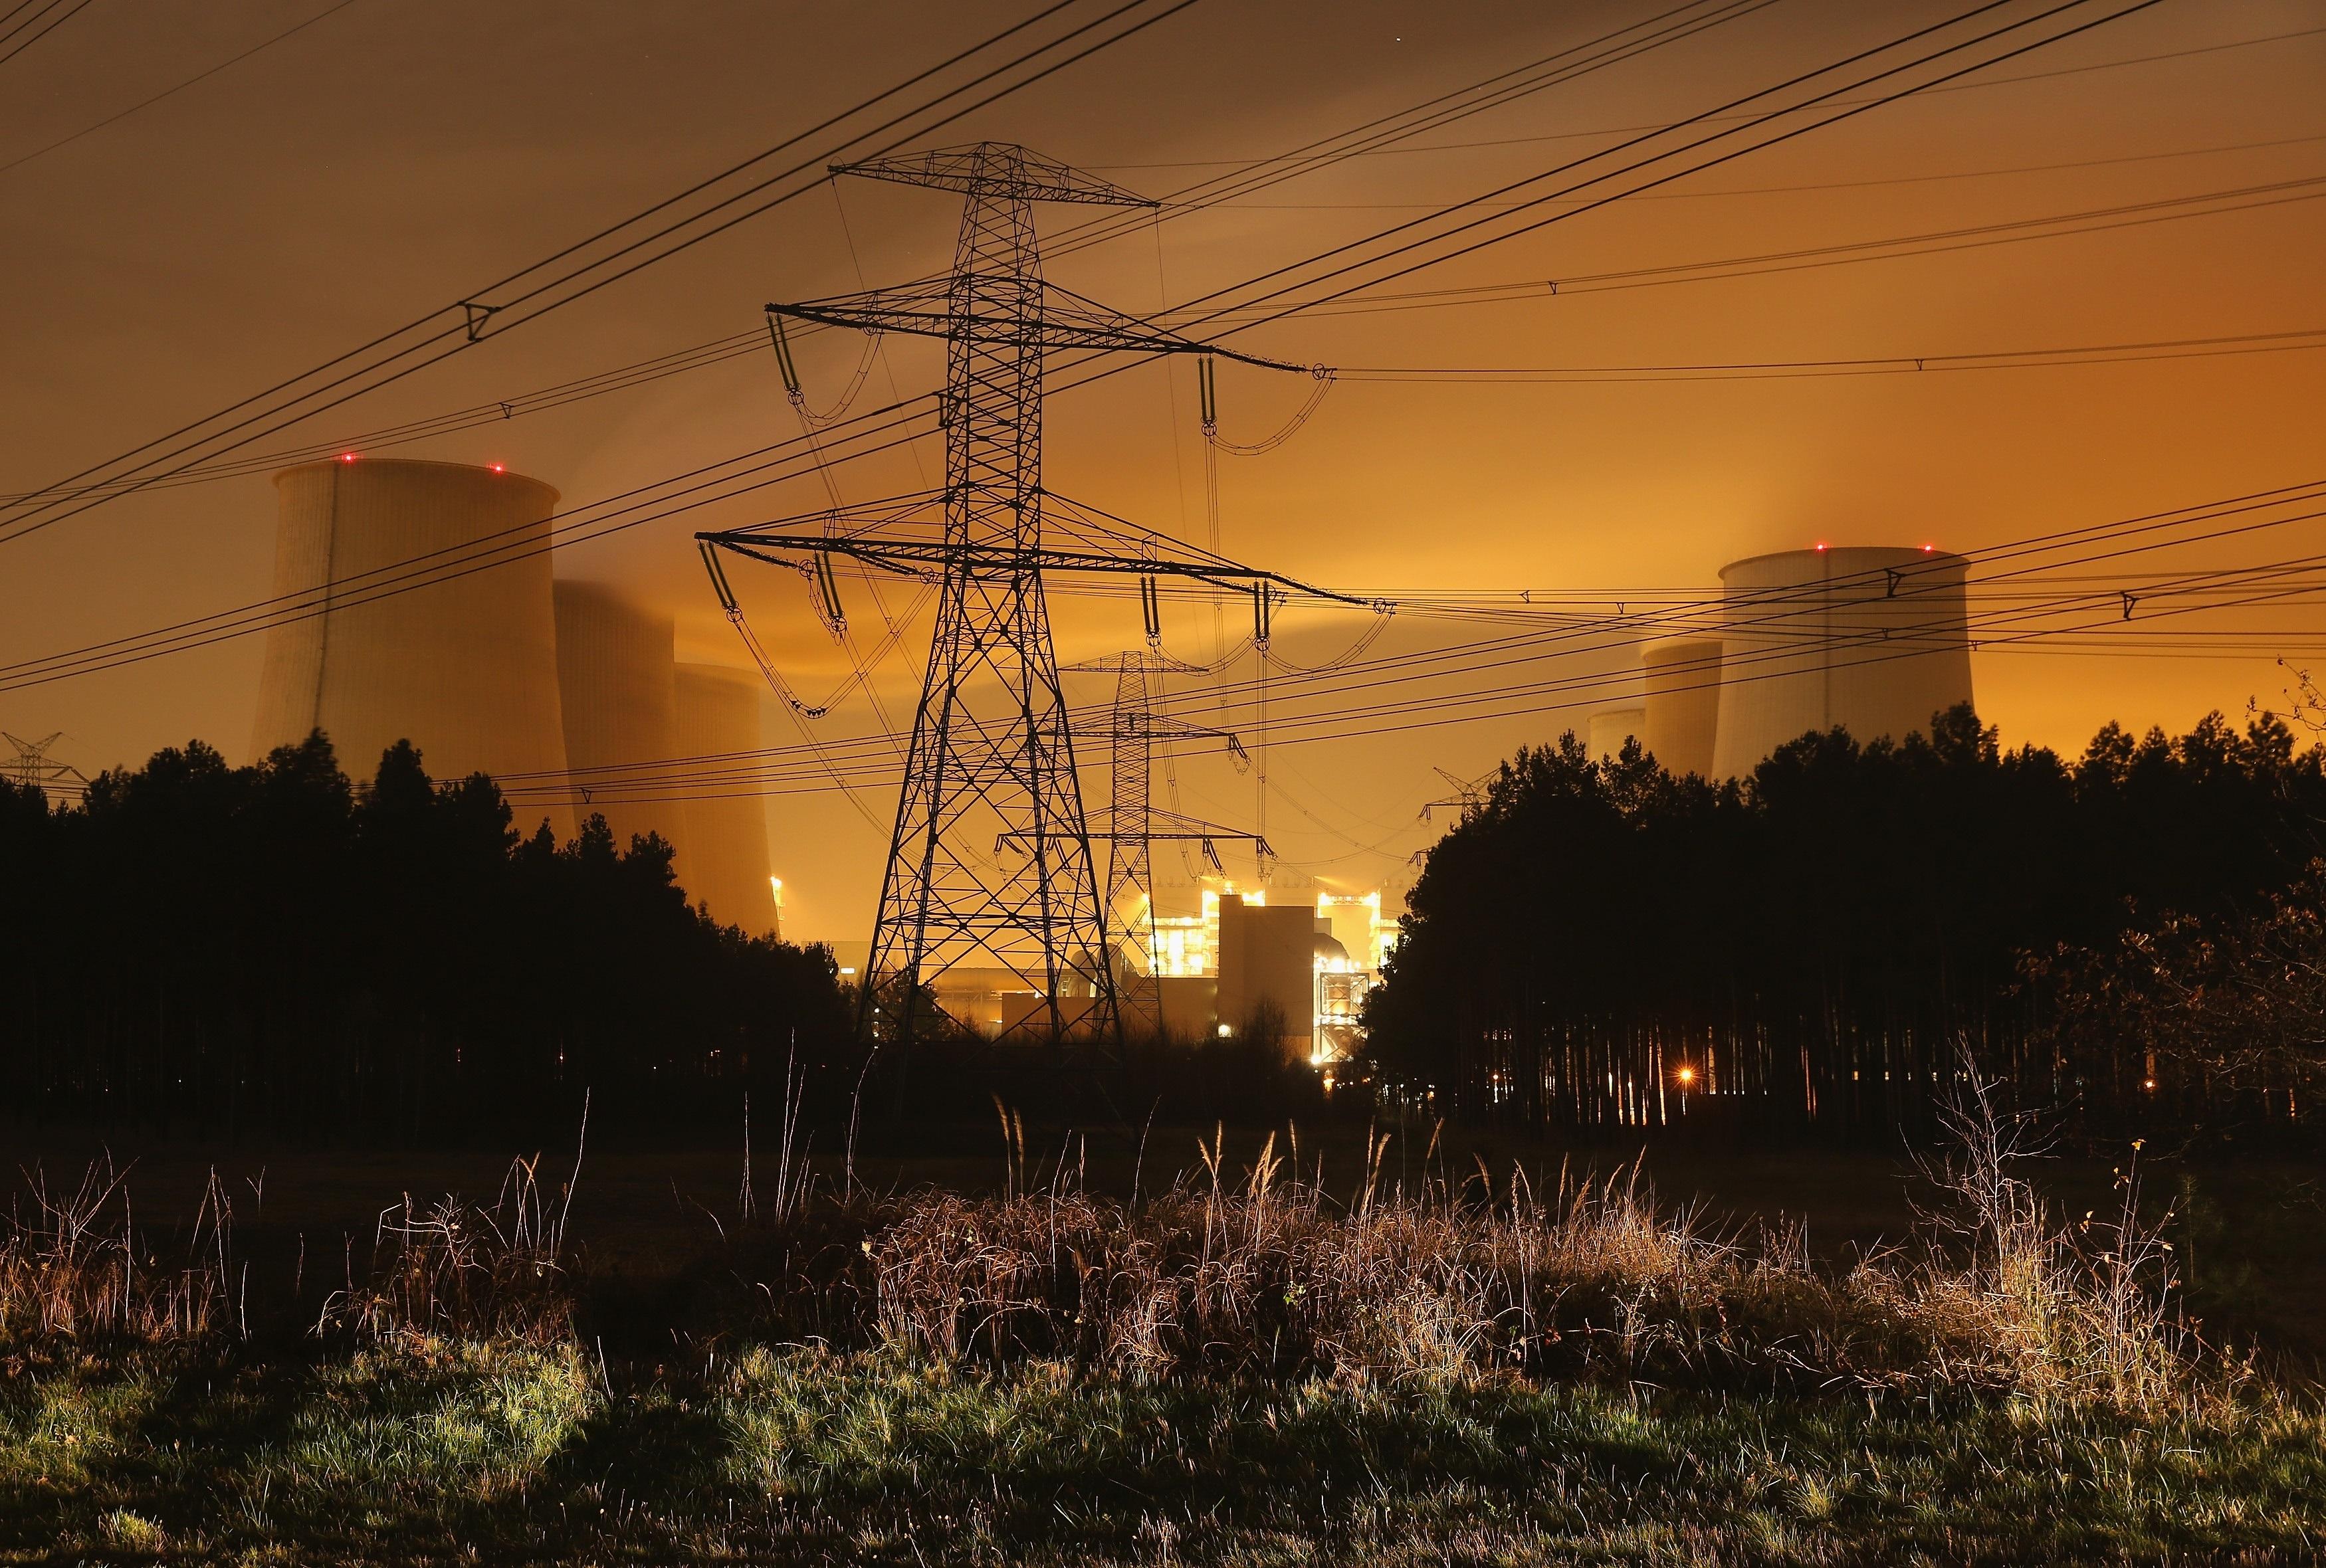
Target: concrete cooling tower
point(725, 863)
point(465, 669)
point(1611, 729)
point(618, 682)
point(1682, 675)
point(1874, 640)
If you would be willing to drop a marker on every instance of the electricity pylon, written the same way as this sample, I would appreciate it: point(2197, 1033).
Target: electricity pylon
point(33, 765)
point(1131, 825)
point(992, 758)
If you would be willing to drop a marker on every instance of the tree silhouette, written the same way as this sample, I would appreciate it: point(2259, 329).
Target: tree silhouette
point(1809, 945)
point(272, 949)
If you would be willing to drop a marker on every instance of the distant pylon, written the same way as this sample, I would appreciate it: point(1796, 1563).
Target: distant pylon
point(1131, 825)
point(992, 758)
point(33, 765)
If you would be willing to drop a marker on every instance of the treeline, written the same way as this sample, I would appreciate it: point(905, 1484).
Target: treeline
point(1808, 951)
point(210, 951)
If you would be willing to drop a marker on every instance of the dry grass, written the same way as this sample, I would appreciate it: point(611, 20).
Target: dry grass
point(1240, 1370)
point(73, 1268)
point(1269, 1277)
point(464, 1270)
point(2072, 1311)
point(1258, 1275)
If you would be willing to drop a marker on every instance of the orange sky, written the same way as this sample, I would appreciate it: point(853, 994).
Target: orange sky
point(394, 155)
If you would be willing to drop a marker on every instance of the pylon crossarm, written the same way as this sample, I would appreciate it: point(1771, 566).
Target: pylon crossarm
point(916, 557)
point(901, 569)
point(1065, 320)
point(993, 171)
point(1189, 831)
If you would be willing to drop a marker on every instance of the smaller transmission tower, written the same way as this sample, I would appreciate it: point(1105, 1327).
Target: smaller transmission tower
point(1131, 825)
point(33, 766)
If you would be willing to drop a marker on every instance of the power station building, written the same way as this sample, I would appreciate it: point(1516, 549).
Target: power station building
point(617, 684)
point(466, 669)
point(1248, 959)
point(1612, 727)
point(1682, 677)
point(1873, 640)
point(564, 690)
point(725, 861)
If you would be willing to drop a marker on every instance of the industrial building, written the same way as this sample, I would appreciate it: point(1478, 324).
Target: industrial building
point(1309, 960)
point(617, 684)
point(717, 712)
point(1682, 677)
point(467, 671)
point(1244, 956)
point(1871, 639)
point(1613, 728)
point(503, 670)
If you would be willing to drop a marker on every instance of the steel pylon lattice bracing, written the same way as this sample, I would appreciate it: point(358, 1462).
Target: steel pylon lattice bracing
point(1131, 825)
point(990, 748)
point(990, 863)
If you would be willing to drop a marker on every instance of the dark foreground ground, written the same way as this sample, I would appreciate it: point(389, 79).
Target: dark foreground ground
point(452, 1453)
point(2249, 1233)
point(665, 1420)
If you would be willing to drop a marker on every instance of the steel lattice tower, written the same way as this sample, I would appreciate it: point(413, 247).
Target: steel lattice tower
point(992, 756)
point(1133, 824)
point(990, 863)
point(32, 766)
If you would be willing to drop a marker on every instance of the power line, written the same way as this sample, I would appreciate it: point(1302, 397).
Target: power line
point(1615, 47)
point(480, 316)
point(1829, 184)
point(1590, 62)
point(1889, 365)
point(167, 92)
point(1455, 207)
point(71, 11)
point(1645, 164)
point(1974, 237)
point(1761, 625)
point(1628, 130)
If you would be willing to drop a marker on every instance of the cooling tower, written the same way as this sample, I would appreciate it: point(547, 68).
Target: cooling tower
point(466, 669)
point(1873, 640)
point(1682, 675)
point(726, 858)
point(1611, 729)
point(618, 686)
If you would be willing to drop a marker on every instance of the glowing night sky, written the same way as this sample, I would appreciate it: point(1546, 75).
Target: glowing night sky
point(397, 153)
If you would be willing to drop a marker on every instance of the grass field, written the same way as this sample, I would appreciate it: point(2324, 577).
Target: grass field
point(436, 1450)
point(1250, 1365)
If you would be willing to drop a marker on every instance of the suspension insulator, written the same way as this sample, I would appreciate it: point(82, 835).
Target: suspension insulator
point(827, 588)
point(711, 564)
point(782, 343)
